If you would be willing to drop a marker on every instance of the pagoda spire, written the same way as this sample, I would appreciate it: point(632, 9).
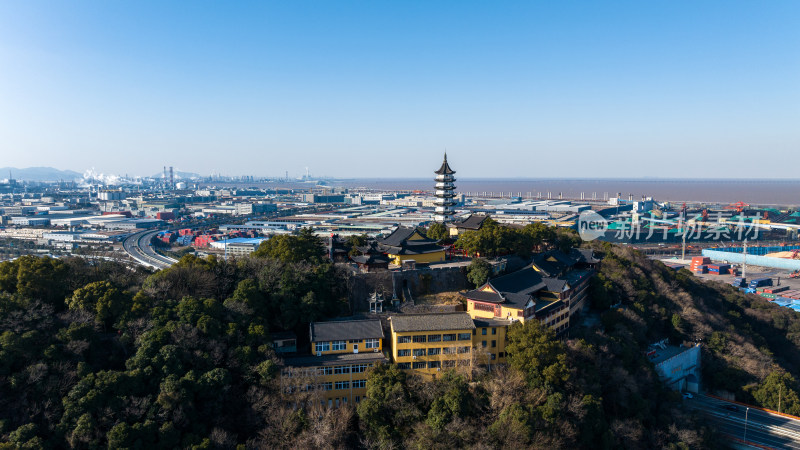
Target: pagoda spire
point(445, 195)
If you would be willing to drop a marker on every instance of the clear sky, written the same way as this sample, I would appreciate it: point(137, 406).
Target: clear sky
point(380, 89)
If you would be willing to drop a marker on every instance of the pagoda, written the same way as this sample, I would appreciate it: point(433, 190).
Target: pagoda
point(445, 195)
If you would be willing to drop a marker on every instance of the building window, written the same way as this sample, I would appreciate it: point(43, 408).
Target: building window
point(359, 384)
point(449, 337)
point(338, 370)
point(325, 371)
point(434, 338)
point(401, 353)
point(484, 307)
point(483, 343)
point(358, 398)
point(372, 343)
point(434, 351)
point(494, 344)
point(341, 385)
point(493, 356)
point(419, 339)
point(322, 346)
point(419, 352)
point(464, 363)
point(449, 363)
point(327, 386)
point(449, 350)
point(434, 365)
point(464, 337)
point(494, 330)
point(354, 341)
point(339, 345)
point(483, 331)
point(404, 366)
point(501, 355)
point(420, 365)
point(463, 349)
point(403, 339)
point(359, 368)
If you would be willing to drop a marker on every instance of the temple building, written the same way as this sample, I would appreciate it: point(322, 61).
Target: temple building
point(411, 244)
point(445, 195)
point(551, 290)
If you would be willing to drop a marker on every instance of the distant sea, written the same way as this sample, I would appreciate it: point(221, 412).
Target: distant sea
point(754, 192)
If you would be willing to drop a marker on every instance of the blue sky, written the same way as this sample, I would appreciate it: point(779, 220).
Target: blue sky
point(381, 89)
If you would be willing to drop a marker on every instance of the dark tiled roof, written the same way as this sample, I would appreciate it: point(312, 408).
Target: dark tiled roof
point(485, 323)
point(483, 296)
point(555, 284)
point(370, 259)
point(432, 322)
point(473, 222)
point(445, 169)
point(400, 236)
point(584, 255)
point(416, 249)
point(523, 281)
point(335, 360)
point(346, 329)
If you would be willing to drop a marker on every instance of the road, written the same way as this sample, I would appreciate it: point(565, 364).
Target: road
point(138, 247)
point(764, 429)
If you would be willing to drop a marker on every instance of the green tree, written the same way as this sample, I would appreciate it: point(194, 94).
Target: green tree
point(534, 350)
point(387, 411)
point(101, 298)
point(778, 390)
point(478, 271)
point(305, 246)
point(453, 402)
point(438, 231)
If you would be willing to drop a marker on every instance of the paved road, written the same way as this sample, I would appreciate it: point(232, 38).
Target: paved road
point(138, 247)
point(764, 429)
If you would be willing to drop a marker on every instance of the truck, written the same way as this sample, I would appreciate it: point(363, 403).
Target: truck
point(760, 282)
point(739, 282)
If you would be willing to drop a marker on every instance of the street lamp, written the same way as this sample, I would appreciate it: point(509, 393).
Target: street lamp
point(745, 424)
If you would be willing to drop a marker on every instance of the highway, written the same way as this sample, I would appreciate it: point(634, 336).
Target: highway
point(138, 247)
point(763, 429)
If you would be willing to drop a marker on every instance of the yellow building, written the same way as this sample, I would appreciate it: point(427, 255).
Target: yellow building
point(336, 373)
point(430, 343)
point(406, 244)
point(550, 290)
point(489, 341)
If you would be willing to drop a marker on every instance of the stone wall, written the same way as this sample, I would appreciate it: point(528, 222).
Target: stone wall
point(408, 284)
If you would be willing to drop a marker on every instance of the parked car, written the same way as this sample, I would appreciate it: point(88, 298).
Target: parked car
point(731, 407)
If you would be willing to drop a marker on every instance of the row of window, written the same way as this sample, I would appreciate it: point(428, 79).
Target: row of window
point(483, 331)
point(339, 385)
point(434, 364)
point(330, 370)
point(432, 351)
point(434, 338)
point(485, 343)
point(342, 345)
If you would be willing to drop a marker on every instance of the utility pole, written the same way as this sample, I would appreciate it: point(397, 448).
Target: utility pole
point(745, 425)
point(744, 264)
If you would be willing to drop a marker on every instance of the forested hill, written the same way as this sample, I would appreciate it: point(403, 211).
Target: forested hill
point(100, 356)
point(751, 347)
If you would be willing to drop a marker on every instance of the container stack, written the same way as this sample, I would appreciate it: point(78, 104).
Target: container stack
point(700, 263)
point(719, 269)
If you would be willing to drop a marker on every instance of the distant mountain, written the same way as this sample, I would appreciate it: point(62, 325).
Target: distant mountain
point(178, 175)
point(39, 174)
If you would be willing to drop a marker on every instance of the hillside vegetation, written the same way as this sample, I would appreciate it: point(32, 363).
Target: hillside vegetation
point(100, 356)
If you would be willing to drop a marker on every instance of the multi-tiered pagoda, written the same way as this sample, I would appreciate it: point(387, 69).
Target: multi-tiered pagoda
point(445, 192)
